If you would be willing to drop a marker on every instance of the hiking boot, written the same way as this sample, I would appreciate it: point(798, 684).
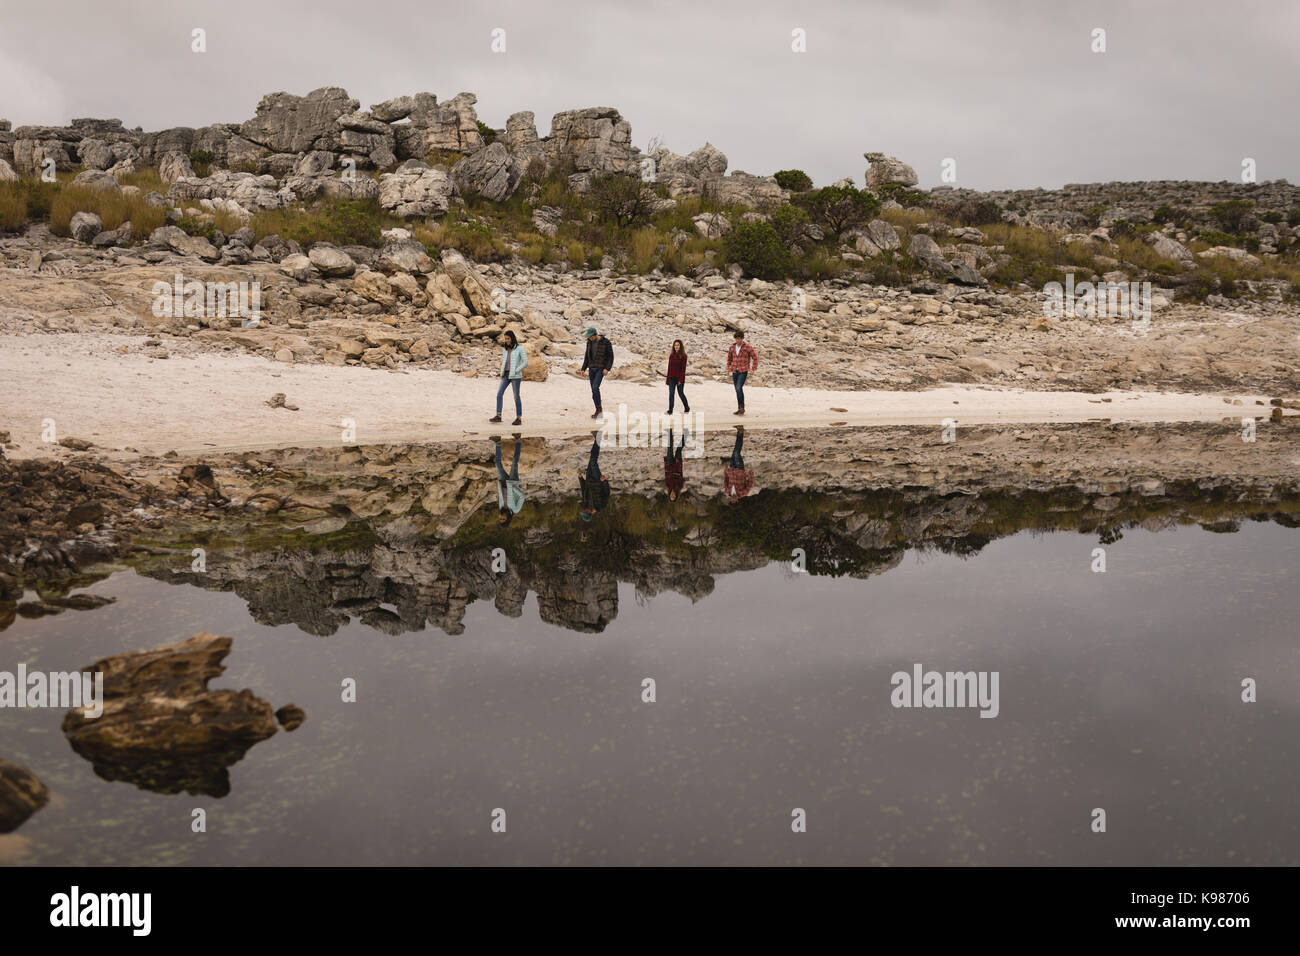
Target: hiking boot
point(597, 413)
point(739, 411)
point(517, 421)
point(495, 419)
point(494, 439)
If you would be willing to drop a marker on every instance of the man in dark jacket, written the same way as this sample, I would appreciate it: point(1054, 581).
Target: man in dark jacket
point(594, 486)
point(598, 361)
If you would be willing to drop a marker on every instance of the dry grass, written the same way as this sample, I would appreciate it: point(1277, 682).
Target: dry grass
point(113, 208)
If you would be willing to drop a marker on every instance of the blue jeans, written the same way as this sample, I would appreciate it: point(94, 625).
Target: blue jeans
point(595, 376)
point(738, 380)
point(514, 465)
point(506, 383)
point(674, 389)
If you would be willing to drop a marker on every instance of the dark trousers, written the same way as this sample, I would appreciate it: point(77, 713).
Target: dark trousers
point(593, 461)
point(514, 465)
point(736, 460)
point(595, 376)
point(676, 386)
point(675, 451)
point(506, 383)
point(738, 380)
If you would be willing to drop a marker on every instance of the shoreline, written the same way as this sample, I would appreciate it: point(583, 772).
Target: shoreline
point(129, 403)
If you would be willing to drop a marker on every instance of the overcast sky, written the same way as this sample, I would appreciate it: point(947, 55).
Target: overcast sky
point(1011, 90)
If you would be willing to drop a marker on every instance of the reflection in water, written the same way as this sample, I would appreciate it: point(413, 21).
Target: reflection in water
point(1119, 690)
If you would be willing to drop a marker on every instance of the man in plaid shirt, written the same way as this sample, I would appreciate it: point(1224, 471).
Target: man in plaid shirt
point(741, 360)
point(737, 480)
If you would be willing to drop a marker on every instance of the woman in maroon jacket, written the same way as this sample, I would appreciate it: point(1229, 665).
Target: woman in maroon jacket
point(677, 376)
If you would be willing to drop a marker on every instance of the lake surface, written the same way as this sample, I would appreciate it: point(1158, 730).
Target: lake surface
point(1118, 690)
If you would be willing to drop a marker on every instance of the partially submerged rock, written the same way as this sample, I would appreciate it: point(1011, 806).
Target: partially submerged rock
point(162, 728)
point(21, 795)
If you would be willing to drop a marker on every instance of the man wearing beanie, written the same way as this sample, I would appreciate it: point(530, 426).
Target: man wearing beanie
point(598, 361)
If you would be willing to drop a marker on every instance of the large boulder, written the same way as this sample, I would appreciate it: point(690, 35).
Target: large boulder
point(886, 170)
point(285, 123)
point(7, 174)
point(1169, 248)
point(404, 255)
point(85, 226)
point(174, 166)
point(883, 235)
point(162, 728)
point(390, 111)
point(21, 795)
point(330, 260)
point(596, 139)
point(415, 190)
point(97, 179)
point(490, 172)
point(450, 126)
point(183, 243)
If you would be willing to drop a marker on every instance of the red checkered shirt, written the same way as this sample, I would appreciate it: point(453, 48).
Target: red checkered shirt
point(745, 361)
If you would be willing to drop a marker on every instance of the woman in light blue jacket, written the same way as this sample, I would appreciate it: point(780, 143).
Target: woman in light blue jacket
point(513, 362)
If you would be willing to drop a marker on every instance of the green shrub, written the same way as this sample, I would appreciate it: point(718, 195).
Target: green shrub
point(1122, 229)
point(621, 199)
point(1216, 238)
point(1273, 217)
point(198, 227)
point(1093, 214)
point(756, 248)
point(487, 132)
point(839, 207)
point(791, 223)
point(1231, 215)
point(795, 180)
point(1293, 218)
point(972, 212)
point(902, 195)
point(201, 160)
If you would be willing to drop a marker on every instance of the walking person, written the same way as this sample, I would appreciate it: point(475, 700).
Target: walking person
point(593, 486)
point(674, 479)
point(677, 376)
point(737, 480)
point(513, 362)
point(598, 360)
point(741, 360)
point(510, 497)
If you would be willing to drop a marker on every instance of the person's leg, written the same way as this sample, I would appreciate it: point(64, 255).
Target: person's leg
point(596, 375)
point(514, 465)
point(501, 392)
point(671, 383)
point(593, 461)
point(501, 471)
point(681, 390)
point(519, 407)
point(736, 460)
point(740, 388)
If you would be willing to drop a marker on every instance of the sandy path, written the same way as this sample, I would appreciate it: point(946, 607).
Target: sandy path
point(217, 401)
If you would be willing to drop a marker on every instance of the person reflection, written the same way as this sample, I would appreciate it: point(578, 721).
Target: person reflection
point(737, 480)
point(674, 478)
point(510, 497)
point(593, 486)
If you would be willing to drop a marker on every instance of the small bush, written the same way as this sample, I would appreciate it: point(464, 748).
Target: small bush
point(487, 132)
point(621, 199)
point(1232, 214)
point(201, 160)
point(1273, 217)
point(112, 208)
point(795, 180)
point(1293, 218)
point(839, 207)
point(1122, 229)
point(973, 212)
point(791, 224)
point(756, 248)
point(902, 195)
point(1215, 238)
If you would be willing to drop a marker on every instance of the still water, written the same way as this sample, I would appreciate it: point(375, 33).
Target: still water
point(1118, 690)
